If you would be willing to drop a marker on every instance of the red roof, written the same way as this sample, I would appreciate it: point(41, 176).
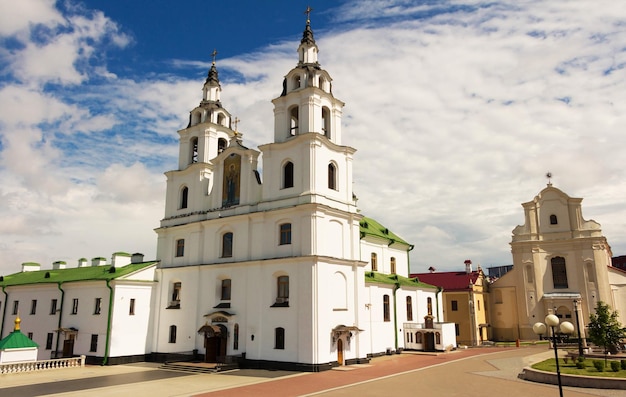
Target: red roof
point(450, 281)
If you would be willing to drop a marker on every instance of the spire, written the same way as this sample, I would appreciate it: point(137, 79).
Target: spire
point(307, 51)
point(212, 88)
point(307, 35)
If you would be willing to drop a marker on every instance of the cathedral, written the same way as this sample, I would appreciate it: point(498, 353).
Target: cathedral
point(281, 269)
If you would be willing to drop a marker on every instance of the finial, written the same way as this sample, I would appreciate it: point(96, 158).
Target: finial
point(17, 323)
point(308, 14)
point(549, 176)
point(213, 54)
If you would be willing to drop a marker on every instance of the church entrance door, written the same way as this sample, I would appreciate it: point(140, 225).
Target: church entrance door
point(340, 351)
point(215, 349)
point(429, 342)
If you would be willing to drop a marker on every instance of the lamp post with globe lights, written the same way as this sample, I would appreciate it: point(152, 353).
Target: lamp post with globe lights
point(565, 327)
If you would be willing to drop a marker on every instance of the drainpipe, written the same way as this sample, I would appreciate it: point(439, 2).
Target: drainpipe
point(4, 310)
point(395, 314)
point(109, 317)
point(56, 349)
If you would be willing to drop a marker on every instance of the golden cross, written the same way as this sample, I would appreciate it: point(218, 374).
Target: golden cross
point(236, 122)
point(308, 13)
point(213, 54)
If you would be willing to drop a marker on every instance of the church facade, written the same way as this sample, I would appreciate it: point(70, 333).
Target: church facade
point(561, 265)
point(281, 270)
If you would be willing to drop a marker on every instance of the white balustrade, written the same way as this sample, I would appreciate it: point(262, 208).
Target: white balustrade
point(30, 366)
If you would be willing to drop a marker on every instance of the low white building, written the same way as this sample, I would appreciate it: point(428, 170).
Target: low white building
point(17, 347)
point(281, 271)
point(96, 309)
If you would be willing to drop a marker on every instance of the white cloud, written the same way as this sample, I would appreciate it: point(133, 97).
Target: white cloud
point(456, 111)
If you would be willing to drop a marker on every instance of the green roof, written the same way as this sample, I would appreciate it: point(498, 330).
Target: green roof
point(16, 340)
point(87, 273)
point(375, 277)
point(369, 227)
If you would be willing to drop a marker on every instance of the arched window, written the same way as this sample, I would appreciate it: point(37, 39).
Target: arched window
point(553, 220)
point(226, 283)
point(227, 245)
point(220, 119)
point(176, 288)
point(374, 262)
point(293, 121)
point(172, 338)
point(288, 175)
point(279, 338)
point(296, 82)
point(332, 176)
point(326, 122)
point(386, 316)
point(184, 197)
point(393, 265)
point(409, 308)
point(221, 145)
point(194, 150)
point(180, 247)
point(285, 234)
point(437, 338)
point(559, 272)
point(429, 305)
point(418, 337)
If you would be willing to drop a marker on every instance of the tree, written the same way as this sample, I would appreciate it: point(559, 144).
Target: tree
point(605, 329)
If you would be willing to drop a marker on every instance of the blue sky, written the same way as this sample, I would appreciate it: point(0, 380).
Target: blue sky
point(457, 110)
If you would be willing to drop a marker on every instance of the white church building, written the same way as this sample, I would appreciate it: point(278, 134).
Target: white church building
point(272, 271)
point(282, 270)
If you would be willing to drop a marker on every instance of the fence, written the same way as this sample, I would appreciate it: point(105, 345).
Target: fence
point(30, 366)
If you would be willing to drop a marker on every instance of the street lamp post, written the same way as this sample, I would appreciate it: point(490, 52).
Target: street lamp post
point(566, 327)
point(580, 342)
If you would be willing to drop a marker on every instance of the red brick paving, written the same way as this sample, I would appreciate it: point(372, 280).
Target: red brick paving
point(319, 381)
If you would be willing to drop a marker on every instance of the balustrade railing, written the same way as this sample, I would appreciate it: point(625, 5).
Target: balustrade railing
point(30, 366)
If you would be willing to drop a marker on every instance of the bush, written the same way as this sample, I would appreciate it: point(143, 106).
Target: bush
point(623, 364)
point(580, 365)
point(615, 366)
point(599, 365)
point(581, 359)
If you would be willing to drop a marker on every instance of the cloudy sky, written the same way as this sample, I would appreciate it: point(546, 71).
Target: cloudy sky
point(457, 110)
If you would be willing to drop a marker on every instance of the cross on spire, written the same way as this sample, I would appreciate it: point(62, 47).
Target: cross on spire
point(214, 54)
point(236, 121)
point(308, 14)
point(549, 176)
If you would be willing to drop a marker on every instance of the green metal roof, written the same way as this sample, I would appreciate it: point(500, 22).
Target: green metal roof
point(375, 277)
point(16, 340)
point(87, 273)
point(370, 227)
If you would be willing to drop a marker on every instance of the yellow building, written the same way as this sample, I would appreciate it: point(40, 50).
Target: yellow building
point(466, 302)
point(561, 264)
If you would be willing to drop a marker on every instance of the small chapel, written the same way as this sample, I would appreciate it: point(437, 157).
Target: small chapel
point(280, 269)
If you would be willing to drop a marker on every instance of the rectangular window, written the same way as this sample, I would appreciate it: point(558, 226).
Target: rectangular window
point(559, 272)
point(282, 296)
point(409, 308)
point(455, 306)
point(226, 289)
point(30, 335)
point(285, 234)
point(49, 339)
point(97, 306)
point(175, 302)
point(75, 306)
point(172, 334)
point(94, 343)
point(227, 245)
point(53, 306)
point(33, 306)
point(180, 247)
point(131, 310)
point(16, 307)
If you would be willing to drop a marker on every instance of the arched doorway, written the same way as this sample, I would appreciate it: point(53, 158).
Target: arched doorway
point(340, 351)
point(215, 340)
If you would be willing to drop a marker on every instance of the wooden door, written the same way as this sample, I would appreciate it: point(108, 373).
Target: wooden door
point(340, 351)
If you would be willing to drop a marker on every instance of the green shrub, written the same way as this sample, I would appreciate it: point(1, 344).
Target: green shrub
point(581, 359)
point(599, 365)
point(615, 366)
point(622, 364)
point(580, 365)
